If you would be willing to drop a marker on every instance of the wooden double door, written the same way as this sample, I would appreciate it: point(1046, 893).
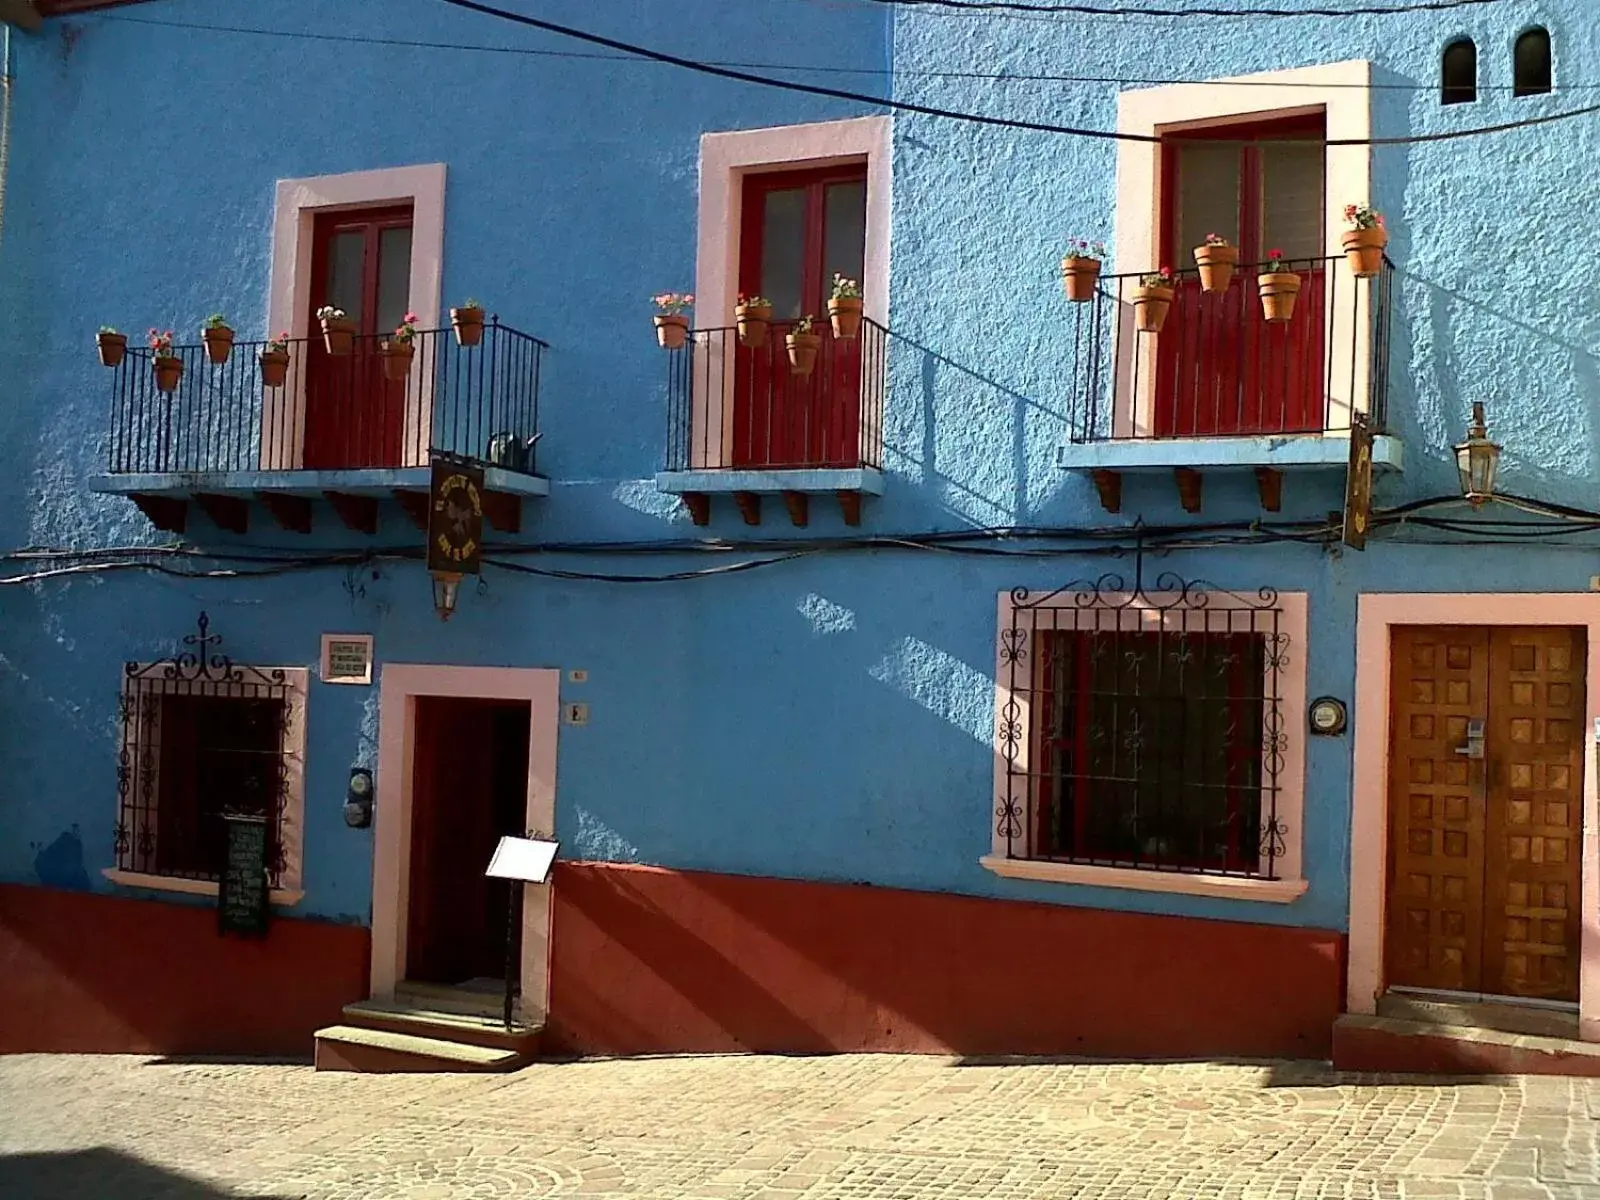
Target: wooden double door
point(1485, 810)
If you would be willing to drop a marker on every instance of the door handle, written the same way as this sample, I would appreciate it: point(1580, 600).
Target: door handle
point(1475, 739)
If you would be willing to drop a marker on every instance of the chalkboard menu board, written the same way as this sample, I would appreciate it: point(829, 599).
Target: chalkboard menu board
point(242, 895)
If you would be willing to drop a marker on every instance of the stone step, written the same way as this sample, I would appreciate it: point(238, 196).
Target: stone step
point(381, 1051)
point(476, 997)
point(422, 1021)
point(1534, 1021)
point(1390, 1045)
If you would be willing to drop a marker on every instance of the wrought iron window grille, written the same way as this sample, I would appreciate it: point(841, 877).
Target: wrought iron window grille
point(203, 739)
point(1142, 727)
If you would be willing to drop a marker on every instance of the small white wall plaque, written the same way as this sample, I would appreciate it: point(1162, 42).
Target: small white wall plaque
point(527, 859)
point(347, 658)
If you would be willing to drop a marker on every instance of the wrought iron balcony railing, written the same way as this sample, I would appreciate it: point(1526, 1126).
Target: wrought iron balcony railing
point(324, 411)
point(1218, 368)
point(730, 405)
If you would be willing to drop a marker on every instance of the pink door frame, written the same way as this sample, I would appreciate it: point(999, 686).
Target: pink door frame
point(399, 687)
point(1369, 824)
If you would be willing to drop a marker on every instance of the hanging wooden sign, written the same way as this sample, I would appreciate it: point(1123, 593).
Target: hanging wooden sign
point(1358, 484)
point(455, 519)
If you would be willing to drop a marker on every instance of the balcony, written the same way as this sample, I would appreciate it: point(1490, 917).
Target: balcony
point(350, 429)
point(741, 421)
point(1219, 388)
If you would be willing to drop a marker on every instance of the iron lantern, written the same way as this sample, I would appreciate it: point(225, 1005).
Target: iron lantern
point(446, 591)
point(1478, 459)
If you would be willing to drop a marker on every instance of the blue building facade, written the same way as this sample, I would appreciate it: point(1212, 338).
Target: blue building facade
point(954, 693)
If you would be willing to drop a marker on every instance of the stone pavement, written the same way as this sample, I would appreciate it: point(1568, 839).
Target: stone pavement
point(848, 1128)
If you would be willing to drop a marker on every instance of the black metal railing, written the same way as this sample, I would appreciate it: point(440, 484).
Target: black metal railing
point(733, 405)
point(331, 411)
point(1217, 367)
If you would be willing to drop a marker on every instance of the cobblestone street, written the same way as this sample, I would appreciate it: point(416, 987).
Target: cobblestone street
point(855, 1128)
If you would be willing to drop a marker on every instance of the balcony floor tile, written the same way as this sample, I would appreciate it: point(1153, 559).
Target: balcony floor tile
point(1225, 453)
point(773, 481)
point(377, 481)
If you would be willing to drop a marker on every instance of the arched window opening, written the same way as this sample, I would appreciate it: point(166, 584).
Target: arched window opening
point(1532, 63)
point(1458, 75)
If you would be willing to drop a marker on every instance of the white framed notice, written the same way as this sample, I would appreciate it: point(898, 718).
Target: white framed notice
point(347, 658)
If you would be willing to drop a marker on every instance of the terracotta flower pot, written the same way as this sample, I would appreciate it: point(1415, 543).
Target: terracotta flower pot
point(803, 349)
point(397, 358)
point(1150, 307)
point(112, 348)
point(1082, 276)
point(274, 367)
point(753, 321)
point(168, 372)
point(339, 335)
point(672, 330)
point(468, 324)
point(845, 313)
point(1216, 265)
point(1363, 250)
point(219, 343)
point(1278, 293)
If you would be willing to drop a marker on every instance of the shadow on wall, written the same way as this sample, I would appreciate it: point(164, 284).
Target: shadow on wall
point(646, 960)
point(102, 1172)
point(993, 488)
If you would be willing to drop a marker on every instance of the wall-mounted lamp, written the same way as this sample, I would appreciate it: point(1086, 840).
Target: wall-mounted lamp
point(446, 591)
point(1477, 459)
point(358, 799)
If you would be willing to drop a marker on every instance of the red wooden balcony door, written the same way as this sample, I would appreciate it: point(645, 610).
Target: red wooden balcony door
point(800, 228)
point(361, 262)
point(1220, 367)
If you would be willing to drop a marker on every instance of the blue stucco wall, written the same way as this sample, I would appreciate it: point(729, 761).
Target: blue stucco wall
point(829, 717)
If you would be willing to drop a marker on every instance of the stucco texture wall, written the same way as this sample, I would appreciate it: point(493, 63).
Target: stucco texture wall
point(828, 718)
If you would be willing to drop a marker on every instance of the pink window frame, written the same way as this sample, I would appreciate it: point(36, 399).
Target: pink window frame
point(1014, 706)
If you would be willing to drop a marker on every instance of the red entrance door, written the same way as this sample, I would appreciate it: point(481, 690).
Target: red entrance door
point(1221, 368)
point(800, 228)
point(361, 262)
point(469, 787)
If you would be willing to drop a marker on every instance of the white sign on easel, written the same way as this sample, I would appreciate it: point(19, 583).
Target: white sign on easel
point(526, 859)
point(520, 860)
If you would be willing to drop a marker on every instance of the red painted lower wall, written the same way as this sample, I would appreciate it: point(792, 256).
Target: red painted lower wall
point(649, 960)
point(81, 972)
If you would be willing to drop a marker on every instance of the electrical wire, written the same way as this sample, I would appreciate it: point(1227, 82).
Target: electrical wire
point(1127, 10)
point(808, 68)
point(1399, 525)
point(742, 76)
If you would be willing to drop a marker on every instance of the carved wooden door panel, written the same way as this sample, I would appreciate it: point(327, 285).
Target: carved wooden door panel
point(1535, 737)
point(1439, 680)
point(1486, 763)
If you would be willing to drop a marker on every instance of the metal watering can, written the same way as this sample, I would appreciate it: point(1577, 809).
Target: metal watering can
point(512, 452)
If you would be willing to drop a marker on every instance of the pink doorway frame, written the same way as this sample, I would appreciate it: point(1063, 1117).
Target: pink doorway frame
point(1376, 614)
point(399, 687)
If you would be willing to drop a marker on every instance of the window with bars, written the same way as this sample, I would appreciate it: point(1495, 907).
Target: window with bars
point(1144, 732)
point(204, 740)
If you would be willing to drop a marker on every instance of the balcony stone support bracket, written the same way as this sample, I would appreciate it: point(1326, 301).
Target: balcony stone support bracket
point(170, 514)
point(415, 506)
point(1269, 482)
point(360, 513)
point(1109, 485)
point(1190, 485)
point(799, 506)
point(226, 512)
point(291, 512)
point(795, 486)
